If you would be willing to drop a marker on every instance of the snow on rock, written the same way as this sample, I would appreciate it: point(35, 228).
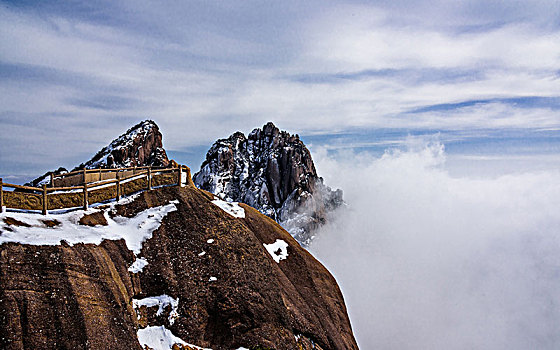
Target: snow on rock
point(278, 250)
point(232, 208)
point(128, 199)
point(161, 302)
point(138, 265)
point(139, 145)
point(211, 240)
point(201, 253)
point(133, 230)
point(212, 279)
point(273, 172)
point(161, 338)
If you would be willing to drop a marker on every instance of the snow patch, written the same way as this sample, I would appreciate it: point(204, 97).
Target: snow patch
point(133, 230)
point(138, 265)
point(201, 253)
point(212, 279)
point(161, 302)
point(232, 208)
point(161, 338)
point(128, 199)
point(183, 178)
point(211, 240)
point(277, 250)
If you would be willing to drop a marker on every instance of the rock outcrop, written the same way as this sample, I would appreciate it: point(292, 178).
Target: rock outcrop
point(209, 275)
point(273, 172)
point(140, 145)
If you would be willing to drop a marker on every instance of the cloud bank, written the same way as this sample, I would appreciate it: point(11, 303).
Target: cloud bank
point(427, 260)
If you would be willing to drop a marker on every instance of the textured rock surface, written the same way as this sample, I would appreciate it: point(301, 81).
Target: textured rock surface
point(273, 172)
point(139, 146)
point(61, 297)
point(80, 297)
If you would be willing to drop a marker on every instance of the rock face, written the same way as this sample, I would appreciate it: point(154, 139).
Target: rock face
point(61, 297)
point(140, 145)
point(273, 172)
point(205, 278)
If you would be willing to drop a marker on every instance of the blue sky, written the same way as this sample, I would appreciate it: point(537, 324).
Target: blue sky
point(74, 75)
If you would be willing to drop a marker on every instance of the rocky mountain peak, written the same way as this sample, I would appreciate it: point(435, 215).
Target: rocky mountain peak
point(273, 171)
point(140, 145)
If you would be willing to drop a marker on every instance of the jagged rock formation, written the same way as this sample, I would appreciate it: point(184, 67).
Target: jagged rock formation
point(203, 277)
point(273, 172)
point(139, 146)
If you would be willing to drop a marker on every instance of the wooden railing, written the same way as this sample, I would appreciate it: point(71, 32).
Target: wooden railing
point(79, 189)
point(78, 177)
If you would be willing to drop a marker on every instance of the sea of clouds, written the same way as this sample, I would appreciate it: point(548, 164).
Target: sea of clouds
point(429, 258)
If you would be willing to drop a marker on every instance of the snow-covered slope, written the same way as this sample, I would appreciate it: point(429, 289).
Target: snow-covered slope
point(273, 172)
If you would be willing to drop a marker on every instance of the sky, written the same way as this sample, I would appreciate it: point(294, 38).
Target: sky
point(75, 75)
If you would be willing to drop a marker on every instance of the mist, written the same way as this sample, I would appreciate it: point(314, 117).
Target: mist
point(430, 260)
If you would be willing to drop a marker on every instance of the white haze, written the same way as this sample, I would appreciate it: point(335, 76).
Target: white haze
point(427, 260)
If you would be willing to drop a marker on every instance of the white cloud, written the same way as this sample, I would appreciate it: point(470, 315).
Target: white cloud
point(430, 261)
point(356, 43)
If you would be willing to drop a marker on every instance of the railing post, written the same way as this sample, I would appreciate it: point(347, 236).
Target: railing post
point(85, 196)
point(149, 178)
point(118, 187)
point(1, 196)
point(45, 203)
point(85, 172)
point(99, 174)
point(52, 179)
point(180, 177)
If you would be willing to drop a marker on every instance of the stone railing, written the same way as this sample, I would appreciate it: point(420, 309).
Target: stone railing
point(79, 189)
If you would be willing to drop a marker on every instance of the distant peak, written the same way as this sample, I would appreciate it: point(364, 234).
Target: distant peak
point(237, 135)
point(272, 171)
point(145, 124)
point(270, 125)
point(139, 145)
